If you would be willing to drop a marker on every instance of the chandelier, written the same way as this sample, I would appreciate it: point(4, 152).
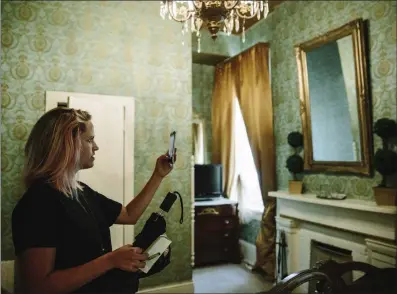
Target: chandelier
point(215, 15)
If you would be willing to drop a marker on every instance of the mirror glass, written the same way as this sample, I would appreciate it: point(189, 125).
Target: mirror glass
point(333, 102)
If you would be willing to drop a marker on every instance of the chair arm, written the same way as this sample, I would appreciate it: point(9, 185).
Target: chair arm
point(293, 281)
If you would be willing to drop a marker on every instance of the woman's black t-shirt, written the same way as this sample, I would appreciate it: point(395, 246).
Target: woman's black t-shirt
point(79, 230)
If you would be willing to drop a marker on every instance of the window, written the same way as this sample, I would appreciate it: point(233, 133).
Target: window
point(198, 142)
point(245, 188)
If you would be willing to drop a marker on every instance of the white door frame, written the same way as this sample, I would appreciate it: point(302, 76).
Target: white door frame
point(52, 98)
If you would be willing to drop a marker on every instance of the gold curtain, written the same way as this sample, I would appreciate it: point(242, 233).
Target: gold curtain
point(247, 78)
point(255, 98)
point(222, 122)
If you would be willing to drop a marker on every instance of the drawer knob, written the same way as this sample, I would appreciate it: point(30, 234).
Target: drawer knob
point(209, 210)
point(226, 249)
point(226, 235)
point(227, 221)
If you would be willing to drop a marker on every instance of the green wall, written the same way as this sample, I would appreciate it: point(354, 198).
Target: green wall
point(114, 48)
point(294, 22)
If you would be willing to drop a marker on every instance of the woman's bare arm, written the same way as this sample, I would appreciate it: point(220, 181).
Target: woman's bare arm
point(131, 213)
point(37, 274)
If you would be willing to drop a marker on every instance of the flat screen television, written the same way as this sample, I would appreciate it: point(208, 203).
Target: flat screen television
point(207, 181)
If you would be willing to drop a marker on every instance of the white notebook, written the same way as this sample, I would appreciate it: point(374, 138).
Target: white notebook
point(155, 251)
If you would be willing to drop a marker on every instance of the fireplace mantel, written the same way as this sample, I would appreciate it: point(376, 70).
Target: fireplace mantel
point(362, 227)
point(355, 204)
point(358, 216)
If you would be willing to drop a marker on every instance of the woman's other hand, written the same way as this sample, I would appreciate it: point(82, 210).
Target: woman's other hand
point(128, 258)
point(163, 165)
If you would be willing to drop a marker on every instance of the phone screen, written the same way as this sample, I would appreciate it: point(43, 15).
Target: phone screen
point(171, 148)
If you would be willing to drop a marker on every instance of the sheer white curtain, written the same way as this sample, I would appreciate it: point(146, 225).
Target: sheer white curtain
point(245, 189)
point(198, 143)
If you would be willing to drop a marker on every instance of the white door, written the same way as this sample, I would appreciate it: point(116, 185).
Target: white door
point(112, 174)
point(107, 175)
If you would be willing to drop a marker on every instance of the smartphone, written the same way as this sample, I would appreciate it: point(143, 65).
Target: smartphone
point(171, 148)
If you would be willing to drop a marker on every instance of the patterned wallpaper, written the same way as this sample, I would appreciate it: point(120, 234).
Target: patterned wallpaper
point(203, 83)
point(102, 47)
point(294, 22)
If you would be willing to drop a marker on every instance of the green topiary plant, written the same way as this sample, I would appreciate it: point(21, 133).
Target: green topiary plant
point(294, 162)
point(385, 160)
point(386, 129)
point(295, 165)
point(295, 139)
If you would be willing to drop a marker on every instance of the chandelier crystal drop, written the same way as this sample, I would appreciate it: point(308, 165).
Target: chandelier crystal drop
point(227, 16)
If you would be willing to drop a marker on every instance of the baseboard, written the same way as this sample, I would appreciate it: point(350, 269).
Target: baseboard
point(183, 287)
point(7, 275)
point(249, 252)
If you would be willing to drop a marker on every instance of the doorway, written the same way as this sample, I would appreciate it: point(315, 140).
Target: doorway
point(113, 173)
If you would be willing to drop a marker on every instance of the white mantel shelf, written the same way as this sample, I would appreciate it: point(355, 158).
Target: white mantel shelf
point(354, 215)
point(347, 203)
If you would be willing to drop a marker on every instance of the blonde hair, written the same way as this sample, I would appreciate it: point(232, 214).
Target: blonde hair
point(52, 152)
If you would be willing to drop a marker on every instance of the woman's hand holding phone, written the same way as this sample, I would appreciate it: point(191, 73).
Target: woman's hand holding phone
point(163, 166)
point(171, 148)
point(165, 163)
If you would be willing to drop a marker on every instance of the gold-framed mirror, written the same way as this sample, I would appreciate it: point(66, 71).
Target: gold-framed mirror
point(335, 102)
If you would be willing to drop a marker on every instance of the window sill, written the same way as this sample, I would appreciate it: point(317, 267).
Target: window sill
point(256, 209)
point(254, 213)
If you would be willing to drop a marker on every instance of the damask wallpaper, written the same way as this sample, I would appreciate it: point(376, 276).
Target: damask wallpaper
point(294, 22)
point(103, 47)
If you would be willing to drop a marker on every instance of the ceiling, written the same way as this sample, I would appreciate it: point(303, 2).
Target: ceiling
point(250, 22)
point(207, 58)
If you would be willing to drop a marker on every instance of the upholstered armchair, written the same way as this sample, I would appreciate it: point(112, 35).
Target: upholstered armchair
point(327, 276)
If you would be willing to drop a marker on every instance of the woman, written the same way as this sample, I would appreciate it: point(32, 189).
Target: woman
point(61, 226)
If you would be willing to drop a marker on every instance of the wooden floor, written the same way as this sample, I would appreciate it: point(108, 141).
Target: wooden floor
point(228, 278)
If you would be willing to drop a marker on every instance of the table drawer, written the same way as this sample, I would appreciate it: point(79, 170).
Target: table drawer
point(215, 223)
point(216, 254)
point(216, 232)
point(219, 210)
point(216, 237)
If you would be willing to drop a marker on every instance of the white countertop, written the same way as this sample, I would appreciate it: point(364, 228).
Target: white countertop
point(347, 203)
